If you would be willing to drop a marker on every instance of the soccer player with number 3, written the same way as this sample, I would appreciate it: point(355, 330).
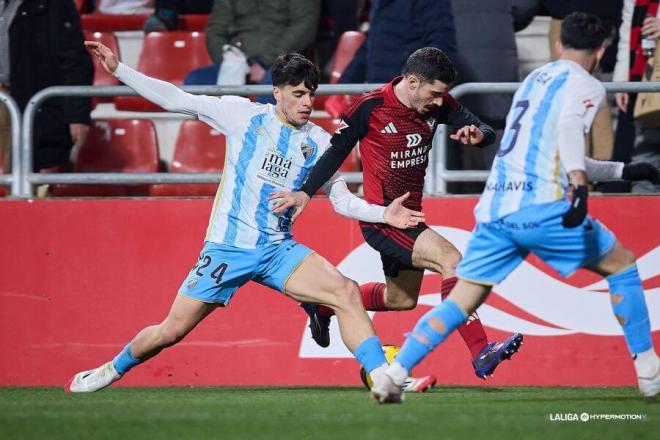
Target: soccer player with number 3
point(527, 206)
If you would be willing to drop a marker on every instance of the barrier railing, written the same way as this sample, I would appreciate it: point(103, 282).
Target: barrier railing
point(29, 178)
point(15, 178)
point(442, 175)
point(438, 175)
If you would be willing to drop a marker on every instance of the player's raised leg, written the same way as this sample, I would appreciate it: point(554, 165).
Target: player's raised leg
point(629, 307)
point(433, 252)
point(316, 281)
point(184, 315)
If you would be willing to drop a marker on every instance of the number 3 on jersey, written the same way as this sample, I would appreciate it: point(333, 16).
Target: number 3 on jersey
point(506, 147)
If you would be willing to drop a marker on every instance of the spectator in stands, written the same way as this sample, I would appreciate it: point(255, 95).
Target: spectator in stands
point(262, 30)
point(600, 142)
point(489, 55)
point(166, 14)
point(641, 19)
point(125, 6)
point(337, 17)
point(397, 28)
point(41, 45)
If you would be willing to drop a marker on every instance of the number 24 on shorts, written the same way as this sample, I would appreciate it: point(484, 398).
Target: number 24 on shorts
point(204, 262)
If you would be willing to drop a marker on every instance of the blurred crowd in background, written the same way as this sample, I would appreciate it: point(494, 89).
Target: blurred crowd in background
point(352, 41)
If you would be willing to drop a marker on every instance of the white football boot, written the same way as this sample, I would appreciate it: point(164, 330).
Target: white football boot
point(385, 390)
point(93, 380)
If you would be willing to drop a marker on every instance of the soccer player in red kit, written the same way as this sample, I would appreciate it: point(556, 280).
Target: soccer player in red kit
point(394, 125)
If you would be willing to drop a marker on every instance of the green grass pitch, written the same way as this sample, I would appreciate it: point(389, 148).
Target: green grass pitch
point(476, 413)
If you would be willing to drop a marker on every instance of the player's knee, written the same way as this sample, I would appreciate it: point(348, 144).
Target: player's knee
point(445, 263)
point(450, 262)
point(347, 294)
point(170, 334)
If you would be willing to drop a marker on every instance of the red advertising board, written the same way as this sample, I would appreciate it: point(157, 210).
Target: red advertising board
point(80, 278)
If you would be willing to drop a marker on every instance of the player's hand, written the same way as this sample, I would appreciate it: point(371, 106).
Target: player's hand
point(105, 56)
point(468, 135)
point(285, 200)
point(401, 217)
point(641, 171)
point(621, 99)
point(651, 28)
point(578, 210)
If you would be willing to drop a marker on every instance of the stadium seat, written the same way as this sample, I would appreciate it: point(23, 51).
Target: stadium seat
point(114, 145)
point(80, 6)
point(101, 77)
point(168, 56)
point(199, 148)
point(117, 22)
point(112, 22)
point(348, 43)
point(327, 124)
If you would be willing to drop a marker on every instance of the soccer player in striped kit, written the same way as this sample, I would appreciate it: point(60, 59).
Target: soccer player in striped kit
point(527, 206)
point(269, 148)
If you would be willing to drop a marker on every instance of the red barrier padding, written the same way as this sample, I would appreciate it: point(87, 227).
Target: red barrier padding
point(80, 278)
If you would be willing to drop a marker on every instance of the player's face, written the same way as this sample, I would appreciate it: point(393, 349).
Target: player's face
point(294, 103)
point(425, 96)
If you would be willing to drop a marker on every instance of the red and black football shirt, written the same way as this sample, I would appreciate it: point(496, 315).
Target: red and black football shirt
point(394, 143)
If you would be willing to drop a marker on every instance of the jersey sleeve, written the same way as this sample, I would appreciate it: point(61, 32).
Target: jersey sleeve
point(583, 98)
point(603, 170)
point(221, 113)
point(349, 205)
point(353, 127)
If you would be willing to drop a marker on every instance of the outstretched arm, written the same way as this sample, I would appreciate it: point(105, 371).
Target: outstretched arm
point(162, 93)
point(347, 204)
point(603, 170)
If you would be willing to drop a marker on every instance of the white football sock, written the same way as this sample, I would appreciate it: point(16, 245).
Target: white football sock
point(647, 363)
point(378, 372)
point(397, 373)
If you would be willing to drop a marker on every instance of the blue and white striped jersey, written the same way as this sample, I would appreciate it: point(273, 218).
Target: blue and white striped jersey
point(527, 169)
point(263, 155)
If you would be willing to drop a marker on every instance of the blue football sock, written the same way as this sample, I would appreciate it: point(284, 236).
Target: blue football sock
point(425, 338)
point(124, 361)
point(370, 354)
point(629, 307)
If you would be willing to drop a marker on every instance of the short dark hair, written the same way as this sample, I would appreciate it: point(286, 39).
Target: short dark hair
point(430, 64)
point(292, 69)
point(583, 31)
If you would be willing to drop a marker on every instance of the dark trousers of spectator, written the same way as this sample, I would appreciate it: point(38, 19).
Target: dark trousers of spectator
point(186, 7)
point(624, 144)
